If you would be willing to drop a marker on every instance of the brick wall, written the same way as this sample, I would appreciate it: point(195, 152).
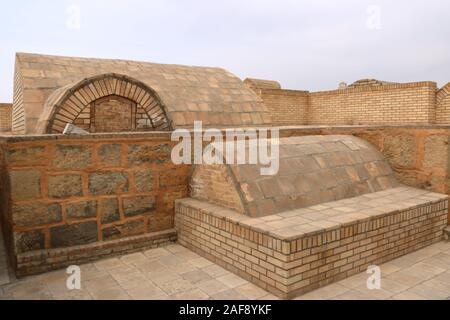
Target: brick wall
point(287, 107)
point(5, 117)
point(418, 155)
point(290, 267)
point(68, 192)
point(18, 113)
point(260, 84)
point(410, 103)
point(214, 184)
point(143, 122)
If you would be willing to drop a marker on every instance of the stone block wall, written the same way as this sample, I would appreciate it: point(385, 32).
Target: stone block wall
point(18, 112)
point(143, 122)
point(288, 267)
point(5, 117)
point(65, 192)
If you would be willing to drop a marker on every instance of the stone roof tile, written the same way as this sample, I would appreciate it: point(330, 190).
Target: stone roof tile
point(196, 92)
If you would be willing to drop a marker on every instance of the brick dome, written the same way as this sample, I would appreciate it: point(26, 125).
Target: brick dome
point(43, 85)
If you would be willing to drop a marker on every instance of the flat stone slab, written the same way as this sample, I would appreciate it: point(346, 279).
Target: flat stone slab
point(327, 216)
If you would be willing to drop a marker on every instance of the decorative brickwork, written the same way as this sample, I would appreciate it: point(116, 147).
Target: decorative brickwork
point(288, 107)
point(298, 251)
point(106, 103)
point(366, 102)
point(5, 117)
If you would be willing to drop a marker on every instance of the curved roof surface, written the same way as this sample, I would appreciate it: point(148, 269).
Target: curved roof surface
point(212, 95)
point(313, 170)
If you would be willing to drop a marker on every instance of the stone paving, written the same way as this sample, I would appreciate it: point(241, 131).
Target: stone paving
point(177, 273)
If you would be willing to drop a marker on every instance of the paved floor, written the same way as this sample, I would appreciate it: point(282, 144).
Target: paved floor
point(177, 273)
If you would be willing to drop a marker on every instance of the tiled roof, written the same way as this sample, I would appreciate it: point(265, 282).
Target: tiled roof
point(212, 95)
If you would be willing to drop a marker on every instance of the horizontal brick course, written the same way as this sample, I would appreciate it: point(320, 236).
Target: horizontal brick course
point(289, 266)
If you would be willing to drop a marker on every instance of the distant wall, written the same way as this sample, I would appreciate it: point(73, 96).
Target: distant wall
point(411, 103)
point(5, 117)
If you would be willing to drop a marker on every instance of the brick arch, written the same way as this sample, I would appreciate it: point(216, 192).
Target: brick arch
point(67, 103)
point(443, 105)
point(442, 93)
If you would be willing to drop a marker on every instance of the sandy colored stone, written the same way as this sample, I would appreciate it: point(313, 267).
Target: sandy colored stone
point(25, 184)
point(436, 151)
point(35, 214)
point(109, 155)
point(65, 186)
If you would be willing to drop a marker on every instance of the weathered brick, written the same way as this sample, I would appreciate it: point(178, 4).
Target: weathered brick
point(149, 154)
point(173, 177)
point(400, 149)
point(65, 186)
point(29, 155)
point(160, 221)
point(109, 155)
point(29, 241)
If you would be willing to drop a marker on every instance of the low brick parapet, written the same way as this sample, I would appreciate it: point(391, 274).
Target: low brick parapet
point(297, 251)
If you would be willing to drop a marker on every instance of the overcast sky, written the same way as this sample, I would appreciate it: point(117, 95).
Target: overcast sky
point(310, 45)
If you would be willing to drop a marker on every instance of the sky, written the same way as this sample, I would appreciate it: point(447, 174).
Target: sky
point(307, 45)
